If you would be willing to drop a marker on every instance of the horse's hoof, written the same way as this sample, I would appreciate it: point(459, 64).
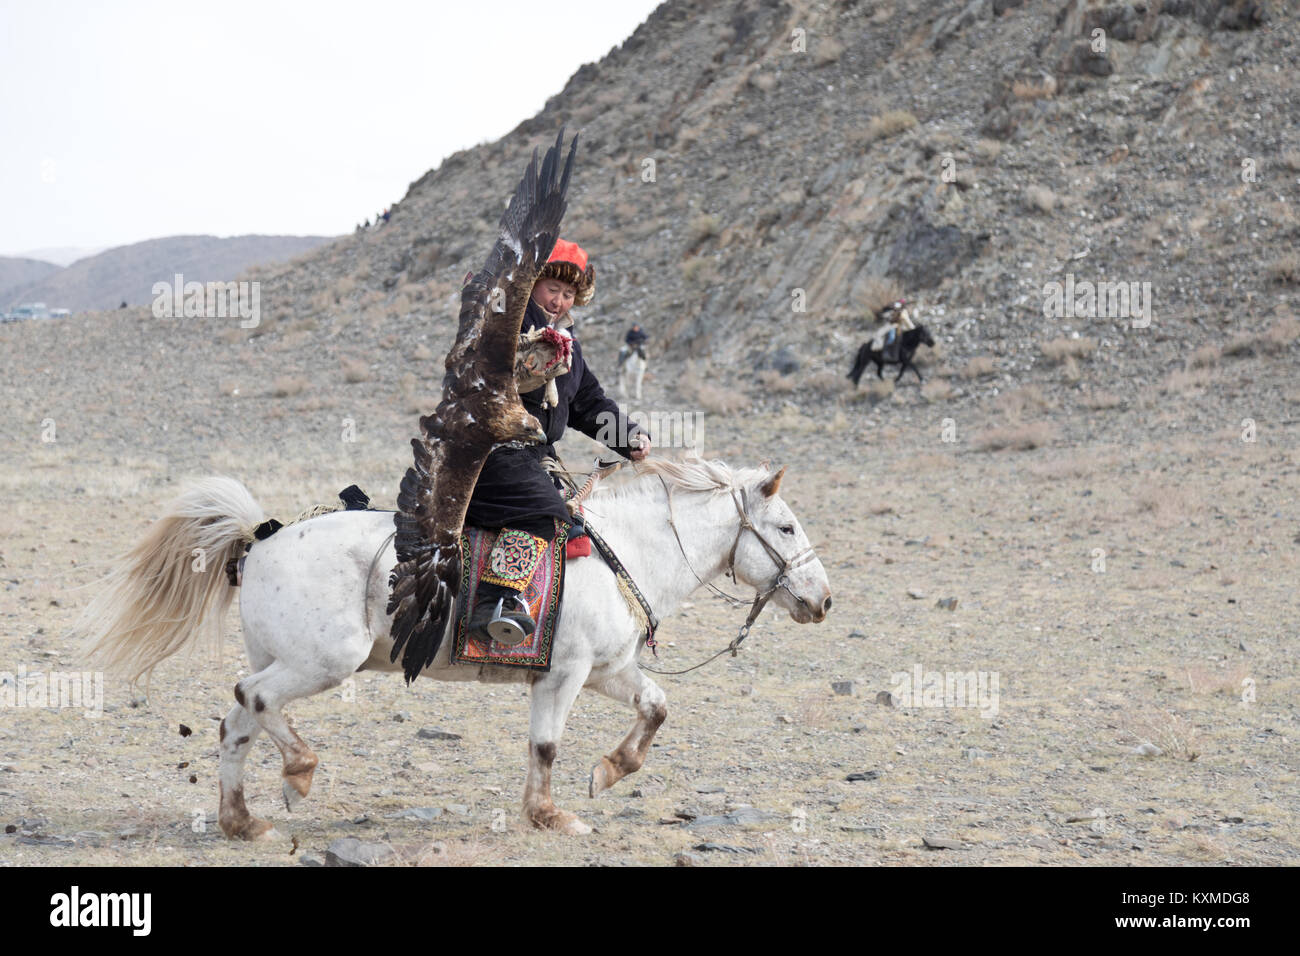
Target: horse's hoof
point(253, 830)
point(270, 835)
point(575, 827)
point(602, 778)
point(560, 820)
point(292, 796)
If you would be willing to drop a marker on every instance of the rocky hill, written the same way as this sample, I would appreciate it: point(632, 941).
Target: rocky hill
point(964, 154)
point(128, 273)
point(743, 160)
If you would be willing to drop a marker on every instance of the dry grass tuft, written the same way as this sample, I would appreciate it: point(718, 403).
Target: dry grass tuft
point(1174, 735)
point(700, 271)
point(1207, 356)
point(1229, 680)
point(887, 124)
point(1102, 400)
point(355, 370)
point(287, 386)
point(827, 51)
point(775, 383)
point(1058, 350)
point(1013, 403)
point(1286, 270)
point(1182, 381)
point(720, 401)
point(937, 390)
point(1280, 335)
point(1036, 88)
point(1240, 346)
point(988, 150)
point(703, 226)
point(826, 382)
point(1040, 198)
point(1016, 437)
point(928, 463)
point(1061, 469)
point(979, 367)
point(1164, 505)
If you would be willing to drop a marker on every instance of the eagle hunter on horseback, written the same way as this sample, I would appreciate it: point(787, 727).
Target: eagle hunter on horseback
point(317, 607)
point(514, 493)
point(894, 342)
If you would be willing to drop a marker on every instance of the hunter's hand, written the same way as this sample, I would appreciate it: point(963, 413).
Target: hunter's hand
point(639, 446)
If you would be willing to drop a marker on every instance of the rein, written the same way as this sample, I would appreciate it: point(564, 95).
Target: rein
point(784, 565)
point(782, 580)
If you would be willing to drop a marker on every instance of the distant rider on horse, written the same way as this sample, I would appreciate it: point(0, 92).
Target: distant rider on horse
point(889, 335)
point(634, 341)
point(514, 493)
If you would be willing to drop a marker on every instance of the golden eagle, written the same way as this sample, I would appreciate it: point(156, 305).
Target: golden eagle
point(480, 410)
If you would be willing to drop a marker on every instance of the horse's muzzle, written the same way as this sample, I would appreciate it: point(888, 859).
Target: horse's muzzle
point(812, 612)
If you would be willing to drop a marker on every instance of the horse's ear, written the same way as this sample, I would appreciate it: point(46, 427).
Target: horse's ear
point(772, 483)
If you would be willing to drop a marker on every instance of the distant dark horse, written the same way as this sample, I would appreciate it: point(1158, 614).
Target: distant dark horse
point(912, 340)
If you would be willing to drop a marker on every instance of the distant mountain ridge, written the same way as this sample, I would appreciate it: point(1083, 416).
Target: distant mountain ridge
point(60, 255)
point(15, 273)
point(128, 273)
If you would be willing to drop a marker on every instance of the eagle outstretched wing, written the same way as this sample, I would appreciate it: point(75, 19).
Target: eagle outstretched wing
point(480, 410)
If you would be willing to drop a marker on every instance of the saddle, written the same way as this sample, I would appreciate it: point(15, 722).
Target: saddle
point(542, 596)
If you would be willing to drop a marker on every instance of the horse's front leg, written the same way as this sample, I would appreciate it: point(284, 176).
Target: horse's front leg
point(553, 695)
point(630, 686)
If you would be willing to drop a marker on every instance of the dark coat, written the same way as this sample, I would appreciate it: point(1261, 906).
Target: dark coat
point(513, 491)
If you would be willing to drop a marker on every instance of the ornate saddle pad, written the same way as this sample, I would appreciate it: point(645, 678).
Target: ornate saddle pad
point(542, 596)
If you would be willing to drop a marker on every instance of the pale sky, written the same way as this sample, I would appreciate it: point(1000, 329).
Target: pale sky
point(133, 120)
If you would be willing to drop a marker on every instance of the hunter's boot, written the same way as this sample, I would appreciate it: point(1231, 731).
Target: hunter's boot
point(499, 609)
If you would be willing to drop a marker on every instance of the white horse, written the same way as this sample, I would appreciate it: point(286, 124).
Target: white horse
point(313, 599)
point(631, 370)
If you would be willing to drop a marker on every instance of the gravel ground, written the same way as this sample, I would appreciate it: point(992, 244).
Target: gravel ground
point(1128, 583)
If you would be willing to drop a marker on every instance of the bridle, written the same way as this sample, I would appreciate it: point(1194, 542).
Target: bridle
point(781, 581)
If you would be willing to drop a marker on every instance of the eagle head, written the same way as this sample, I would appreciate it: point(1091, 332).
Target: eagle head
point(519, 426)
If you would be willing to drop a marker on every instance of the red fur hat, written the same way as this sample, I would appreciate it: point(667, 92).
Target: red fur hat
point(568, 263)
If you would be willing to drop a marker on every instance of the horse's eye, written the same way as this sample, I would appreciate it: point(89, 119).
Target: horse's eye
point(787, 529)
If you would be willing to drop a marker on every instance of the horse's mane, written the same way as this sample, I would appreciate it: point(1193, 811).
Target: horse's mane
point(689, 474)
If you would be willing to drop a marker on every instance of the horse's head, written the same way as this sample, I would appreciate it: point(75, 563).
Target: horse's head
point(804, 590)
point(924, 336)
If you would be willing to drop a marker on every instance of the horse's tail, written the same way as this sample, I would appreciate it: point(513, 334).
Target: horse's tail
point(171, 589)
point(859, 363)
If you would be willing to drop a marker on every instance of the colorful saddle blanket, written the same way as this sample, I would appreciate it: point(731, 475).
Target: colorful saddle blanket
point(542, 596)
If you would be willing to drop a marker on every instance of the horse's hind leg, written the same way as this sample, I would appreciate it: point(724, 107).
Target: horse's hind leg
point(632, 687)
point(553, 695)
point(264, 694)
point(238, 731)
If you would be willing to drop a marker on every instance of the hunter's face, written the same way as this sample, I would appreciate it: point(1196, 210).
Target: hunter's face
point(554, 296)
